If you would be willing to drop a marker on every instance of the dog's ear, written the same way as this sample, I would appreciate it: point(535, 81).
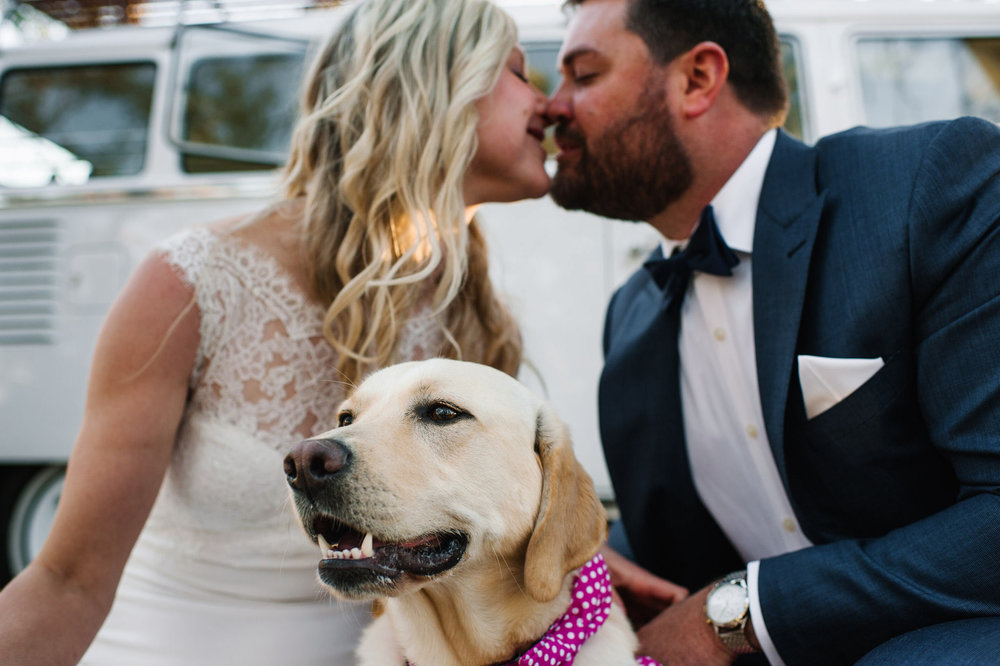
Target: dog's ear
point(571, 522)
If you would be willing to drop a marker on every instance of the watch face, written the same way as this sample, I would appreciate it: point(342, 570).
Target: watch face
point(726, 604)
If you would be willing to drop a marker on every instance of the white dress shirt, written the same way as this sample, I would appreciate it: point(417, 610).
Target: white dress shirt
point(731, 460)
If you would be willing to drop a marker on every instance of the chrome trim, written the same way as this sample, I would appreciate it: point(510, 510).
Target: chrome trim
point(252, 188)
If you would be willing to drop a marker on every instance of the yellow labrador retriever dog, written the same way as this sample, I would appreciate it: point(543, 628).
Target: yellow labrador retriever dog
point(451, 492)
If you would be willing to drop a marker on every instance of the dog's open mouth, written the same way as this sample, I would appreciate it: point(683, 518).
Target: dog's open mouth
point(350, 556)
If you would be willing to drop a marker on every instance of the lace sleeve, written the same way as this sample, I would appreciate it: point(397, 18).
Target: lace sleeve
point(188, 253)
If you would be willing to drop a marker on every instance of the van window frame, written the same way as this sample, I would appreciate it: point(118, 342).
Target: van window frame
point(150, 111)
point(906, 33)
point(181, 68)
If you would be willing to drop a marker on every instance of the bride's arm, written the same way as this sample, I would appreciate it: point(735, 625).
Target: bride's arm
point(136, 394)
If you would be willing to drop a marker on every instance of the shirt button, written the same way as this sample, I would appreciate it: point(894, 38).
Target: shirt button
point(719, 334)
point(752, 431)
point(788, 524)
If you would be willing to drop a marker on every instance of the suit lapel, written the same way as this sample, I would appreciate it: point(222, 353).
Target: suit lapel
point(787, 220)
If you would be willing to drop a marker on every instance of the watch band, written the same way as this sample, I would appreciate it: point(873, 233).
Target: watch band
point(734, 637)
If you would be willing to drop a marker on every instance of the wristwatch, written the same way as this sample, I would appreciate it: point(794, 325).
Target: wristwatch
point(728, 611)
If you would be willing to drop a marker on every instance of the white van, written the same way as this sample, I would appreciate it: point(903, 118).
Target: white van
point(111, 139)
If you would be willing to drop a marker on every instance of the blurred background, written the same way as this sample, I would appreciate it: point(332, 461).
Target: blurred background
point(121, 122)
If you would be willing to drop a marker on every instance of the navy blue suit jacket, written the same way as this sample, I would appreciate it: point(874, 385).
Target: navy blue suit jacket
point(872, 244)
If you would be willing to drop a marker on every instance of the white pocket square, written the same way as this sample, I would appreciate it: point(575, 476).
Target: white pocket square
point(827, 381)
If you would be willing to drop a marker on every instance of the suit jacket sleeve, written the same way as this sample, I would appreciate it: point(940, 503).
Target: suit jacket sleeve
point(833, 602)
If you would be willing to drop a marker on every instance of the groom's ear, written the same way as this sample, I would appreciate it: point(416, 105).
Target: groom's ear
point(700, 73)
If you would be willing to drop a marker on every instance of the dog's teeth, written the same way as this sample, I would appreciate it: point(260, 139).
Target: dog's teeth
point(323, 544)
point(330, 553)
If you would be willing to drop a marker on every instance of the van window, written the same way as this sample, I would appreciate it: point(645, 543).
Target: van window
point(543, 66)
point(911, 80)
point(69, 124)
point(250, 102)
point(795, 121)
point(246, 102)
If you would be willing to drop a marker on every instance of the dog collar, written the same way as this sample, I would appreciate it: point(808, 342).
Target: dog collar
point(590, 603)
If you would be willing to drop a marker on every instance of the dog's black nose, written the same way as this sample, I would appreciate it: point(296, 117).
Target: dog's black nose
point(313, 463)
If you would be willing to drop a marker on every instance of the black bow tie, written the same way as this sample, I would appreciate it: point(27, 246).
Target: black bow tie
point(706, 251)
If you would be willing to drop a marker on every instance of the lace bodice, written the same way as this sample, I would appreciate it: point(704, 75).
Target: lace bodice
point(263, 379)
point(263, 364)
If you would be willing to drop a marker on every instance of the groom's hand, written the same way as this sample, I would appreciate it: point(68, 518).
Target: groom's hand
point(681, 634)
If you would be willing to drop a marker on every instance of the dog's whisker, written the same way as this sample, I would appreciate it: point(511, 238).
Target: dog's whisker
point(346, 384)
point(502, 563)
point(347, 380)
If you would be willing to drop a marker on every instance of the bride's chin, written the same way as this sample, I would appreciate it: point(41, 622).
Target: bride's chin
point(543, 187)
point(535, 192)
point(539, 185)
point(516, 188)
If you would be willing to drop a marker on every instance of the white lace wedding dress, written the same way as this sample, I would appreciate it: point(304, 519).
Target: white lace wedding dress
point(222, 573)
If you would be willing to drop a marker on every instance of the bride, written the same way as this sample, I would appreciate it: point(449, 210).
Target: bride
point(232, 342)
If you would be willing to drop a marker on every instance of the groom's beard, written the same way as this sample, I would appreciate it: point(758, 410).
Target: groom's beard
point(632, 171)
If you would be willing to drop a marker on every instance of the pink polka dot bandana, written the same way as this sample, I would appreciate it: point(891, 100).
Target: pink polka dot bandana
point(589, 607)
point(590, 603)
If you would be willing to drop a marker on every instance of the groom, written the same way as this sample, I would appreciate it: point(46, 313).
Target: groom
point(812, 404)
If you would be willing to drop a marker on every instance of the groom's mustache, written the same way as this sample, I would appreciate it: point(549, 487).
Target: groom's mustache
point(569, 138)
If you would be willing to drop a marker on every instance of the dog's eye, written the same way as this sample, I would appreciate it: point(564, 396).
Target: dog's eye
point(442, 412)
point(345, 419)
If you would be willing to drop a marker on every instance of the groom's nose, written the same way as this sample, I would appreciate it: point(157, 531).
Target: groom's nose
point(559, 108)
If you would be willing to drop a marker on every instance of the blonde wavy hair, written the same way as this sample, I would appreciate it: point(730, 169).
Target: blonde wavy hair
point(379, 155)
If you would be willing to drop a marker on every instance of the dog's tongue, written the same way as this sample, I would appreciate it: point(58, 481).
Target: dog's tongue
point(429, 541)
point(349, 547)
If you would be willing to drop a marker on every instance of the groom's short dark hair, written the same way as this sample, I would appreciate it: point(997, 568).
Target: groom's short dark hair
point(743, 28)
